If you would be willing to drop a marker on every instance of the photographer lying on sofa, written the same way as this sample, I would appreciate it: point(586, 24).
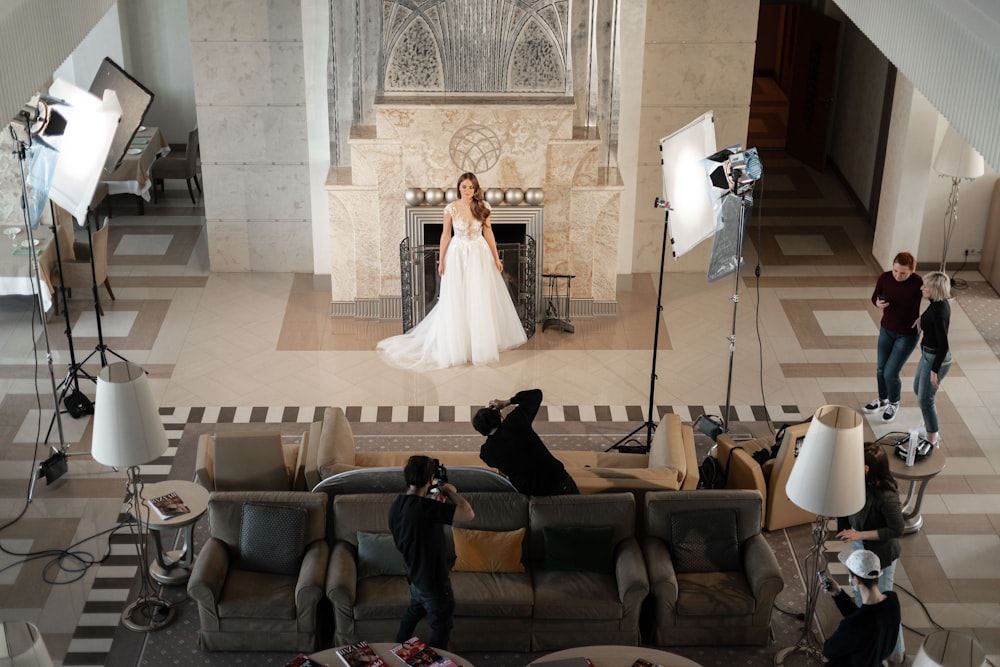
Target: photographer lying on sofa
point(513, 447)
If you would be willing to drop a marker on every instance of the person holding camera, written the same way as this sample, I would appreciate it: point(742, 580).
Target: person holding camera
point(513, 447)
point(416, 521)
point(867, 635)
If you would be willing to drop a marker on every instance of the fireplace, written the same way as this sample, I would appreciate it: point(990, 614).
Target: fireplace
point(518, 232)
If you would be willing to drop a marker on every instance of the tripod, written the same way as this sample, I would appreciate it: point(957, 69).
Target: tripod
point(649, 425)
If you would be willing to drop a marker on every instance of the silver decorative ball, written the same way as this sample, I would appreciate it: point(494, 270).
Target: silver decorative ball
point(534, 196)
point(450, 195)
point(434, 196)
point(413, 196)
point(514, 196)
point(493, 196)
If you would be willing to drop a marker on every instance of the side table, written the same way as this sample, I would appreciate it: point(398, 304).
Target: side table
point(174, 567)
point(618, 656)
point(384, 651)
point(918, 475)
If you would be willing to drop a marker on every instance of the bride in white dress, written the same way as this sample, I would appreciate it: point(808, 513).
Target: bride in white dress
point(474, 318)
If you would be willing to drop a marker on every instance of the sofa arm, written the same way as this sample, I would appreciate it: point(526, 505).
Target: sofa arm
point(342, 587)
point(633, 581)
point(762, 570)
point(662, 577)
point(309, 587)
point(310, 443)
point(672, 446)
point(204, 463)
point(336, 443)
point(205, 583)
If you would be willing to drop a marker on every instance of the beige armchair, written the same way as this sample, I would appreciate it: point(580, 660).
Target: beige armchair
point(259, 578)
point(77, 272)
point(249, 461)
point(712, 574)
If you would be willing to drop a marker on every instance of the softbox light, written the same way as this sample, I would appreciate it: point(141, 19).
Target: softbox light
point(83, 147)
point(134, 99)
point(684, 184)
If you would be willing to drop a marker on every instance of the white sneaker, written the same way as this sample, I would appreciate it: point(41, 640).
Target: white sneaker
point(890, 412)
point(875, 405)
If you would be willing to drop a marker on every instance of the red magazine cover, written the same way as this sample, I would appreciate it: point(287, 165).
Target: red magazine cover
point(416, 653)
point(360, 655)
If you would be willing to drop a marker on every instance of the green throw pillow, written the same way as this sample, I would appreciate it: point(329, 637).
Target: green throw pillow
point(578, 548)
point(378, 555)
point(272, 538)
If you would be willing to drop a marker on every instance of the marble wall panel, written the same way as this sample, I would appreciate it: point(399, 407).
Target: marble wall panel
point(659, 121)
point(245, 20)
point(229, 246)
point(252, 73)
point(604, 280)
point(238, 134)
point(696, 74)
point(253, 191)
point(349, 207)
point(718, 21)
point(280, 245)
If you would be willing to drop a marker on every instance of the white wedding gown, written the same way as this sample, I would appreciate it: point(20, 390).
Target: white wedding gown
point(474, 318)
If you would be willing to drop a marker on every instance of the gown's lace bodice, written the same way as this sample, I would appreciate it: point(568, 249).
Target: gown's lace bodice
point(467, 230)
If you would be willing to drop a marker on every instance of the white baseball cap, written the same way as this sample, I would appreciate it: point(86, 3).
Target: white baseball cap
point(862, 563)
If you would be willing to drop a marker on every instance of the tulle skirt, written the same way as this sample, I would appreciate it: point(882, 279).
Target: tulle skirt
point(473, 320)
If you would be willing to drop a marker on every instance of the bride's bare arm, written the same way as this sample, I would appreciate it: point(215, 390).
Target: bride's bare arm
point(445, 240)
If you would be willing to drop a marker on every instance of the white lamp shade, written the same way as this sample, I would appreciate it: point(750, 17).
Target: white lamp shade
point(829, 475)
point(946, 648)
point(21, 645)
point(685, 185)
point(83, 148)
point(956, 158)
point(128, 430)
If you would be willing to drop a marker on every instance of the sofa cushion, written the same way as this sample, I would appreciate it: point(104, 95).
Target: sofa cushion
point(272, 538)
point(381, 597)
point(336, 443)
point(257, 595)
point(578, 548)
point(705, 541)
point(714, 594)
point(378, 555)
point(576, 595)
point(499, 595)
point(488, 550)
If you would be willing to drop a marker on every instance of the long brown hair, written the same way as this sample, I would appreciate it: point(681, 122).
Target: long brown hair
point(878, 475)
point(478, 207)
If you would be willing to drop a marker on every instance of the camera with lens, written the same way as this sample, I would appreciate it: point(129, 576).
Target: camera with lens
point(438, 477)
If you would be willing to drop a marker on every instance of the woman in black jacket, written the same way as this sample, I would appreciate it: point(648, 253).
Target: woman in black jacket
point(878, 526)
point(935, 353)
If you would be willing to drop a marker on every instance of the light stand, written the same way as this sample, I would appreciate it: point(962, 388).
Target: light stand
point(55, 465)
point(649, 425)
point(746, 203)
point(829, 480)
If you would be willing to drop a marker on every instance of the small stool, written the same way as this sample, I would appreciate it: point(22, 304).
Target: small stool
point(557, 309)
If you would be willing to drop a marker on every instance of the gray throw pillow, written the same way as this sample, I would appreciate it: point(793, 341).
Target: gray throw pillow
point(378, 555)
point(272, 538)
point(705, 541)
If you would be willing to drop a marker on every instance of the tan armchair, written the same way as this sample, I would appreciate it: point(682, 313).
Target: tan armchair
point(249, 461)
point(77, 272)
point(712, 574)
point(259, 578)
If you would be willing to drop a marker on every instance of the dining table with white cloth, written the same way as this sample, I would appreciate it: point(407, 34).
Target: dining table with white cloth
point(17, 275)
point(133, 174)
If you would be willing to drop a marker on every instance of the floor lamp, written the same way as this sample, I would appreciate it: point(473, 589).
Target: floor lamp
point(959, 161)
point(828, 480)
point(128, 433)
point(21, 645)
point(947, 648)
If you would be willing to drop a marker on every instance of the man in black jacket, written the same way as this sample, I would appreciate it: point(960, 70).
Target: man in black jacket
point(513, 447)
point(867, 635)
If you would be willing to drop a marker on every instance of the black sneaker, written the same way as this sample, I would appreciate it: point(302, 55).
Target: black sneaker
point(890, 412)
point(876, 405)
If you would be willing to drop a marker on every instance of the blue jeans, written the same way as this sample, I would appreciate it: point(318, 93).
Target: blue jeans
point(926, 392)
point(893, 351)
point(438, 607)
point(884, 584)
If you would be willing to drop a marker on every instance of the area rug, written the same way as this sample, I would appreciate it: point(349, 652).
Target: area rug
point(177, 644)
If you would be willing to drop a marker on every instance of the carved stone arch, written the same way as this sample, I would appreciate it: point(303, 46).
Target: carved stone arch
point(413, 60)
point(536, 62)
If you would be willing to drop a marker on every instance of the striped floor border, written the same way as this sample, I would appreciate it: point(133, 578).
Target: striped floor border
point(92, 639)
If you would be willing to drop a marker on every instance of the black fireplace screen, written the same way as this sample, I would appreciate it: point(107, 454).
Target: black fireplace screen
point(421, 283)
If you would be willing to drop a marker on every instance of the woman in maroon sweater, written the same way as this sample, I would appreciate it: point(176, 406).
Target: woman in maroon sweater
point(897, 295)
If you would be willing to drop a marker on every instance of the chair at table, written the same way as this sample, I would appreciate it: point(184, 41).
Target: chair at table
point(249, 461)
point(259, 578)
point(181, 165)
point(77, 273)
point(712, 574)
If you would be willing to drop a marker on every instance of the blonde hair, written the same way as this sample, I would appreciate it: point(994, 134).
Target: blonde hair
point(938, 285)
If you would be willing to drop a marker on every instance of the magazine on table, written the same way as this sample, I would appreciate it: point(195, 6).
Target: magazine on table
point(565, 662)
point(645, 663)
point(416, 653)
point(168, 506)
point(303, 660)
point(360, 655)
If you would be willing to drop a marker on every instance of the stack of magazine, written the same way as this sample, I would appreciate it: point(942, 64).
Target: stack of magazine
point(415, 652)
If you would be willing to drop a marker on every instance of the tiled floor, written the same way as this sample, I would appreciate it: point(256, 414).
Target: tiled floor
point(805, 337)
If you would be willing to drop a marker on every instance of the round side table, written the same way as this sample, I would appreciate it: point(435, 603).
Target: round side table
point(618, 656)
point(384, 651)
point(174, 567)
point(918, 475)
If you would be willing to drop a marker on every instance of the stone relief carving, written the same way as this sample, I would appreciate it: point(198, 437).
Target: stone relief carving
point(475, 148)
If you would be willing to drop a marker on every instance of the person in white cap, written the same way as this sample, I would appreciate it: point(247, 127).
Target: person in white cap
point(867, 635)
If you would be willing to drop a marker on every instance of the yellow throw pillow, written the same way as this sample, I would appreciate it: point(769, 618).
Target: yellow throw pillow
point(487, 550)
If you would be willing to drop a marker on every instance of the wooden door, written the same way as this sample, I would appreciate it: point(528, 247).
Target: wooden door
point(811, 102)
